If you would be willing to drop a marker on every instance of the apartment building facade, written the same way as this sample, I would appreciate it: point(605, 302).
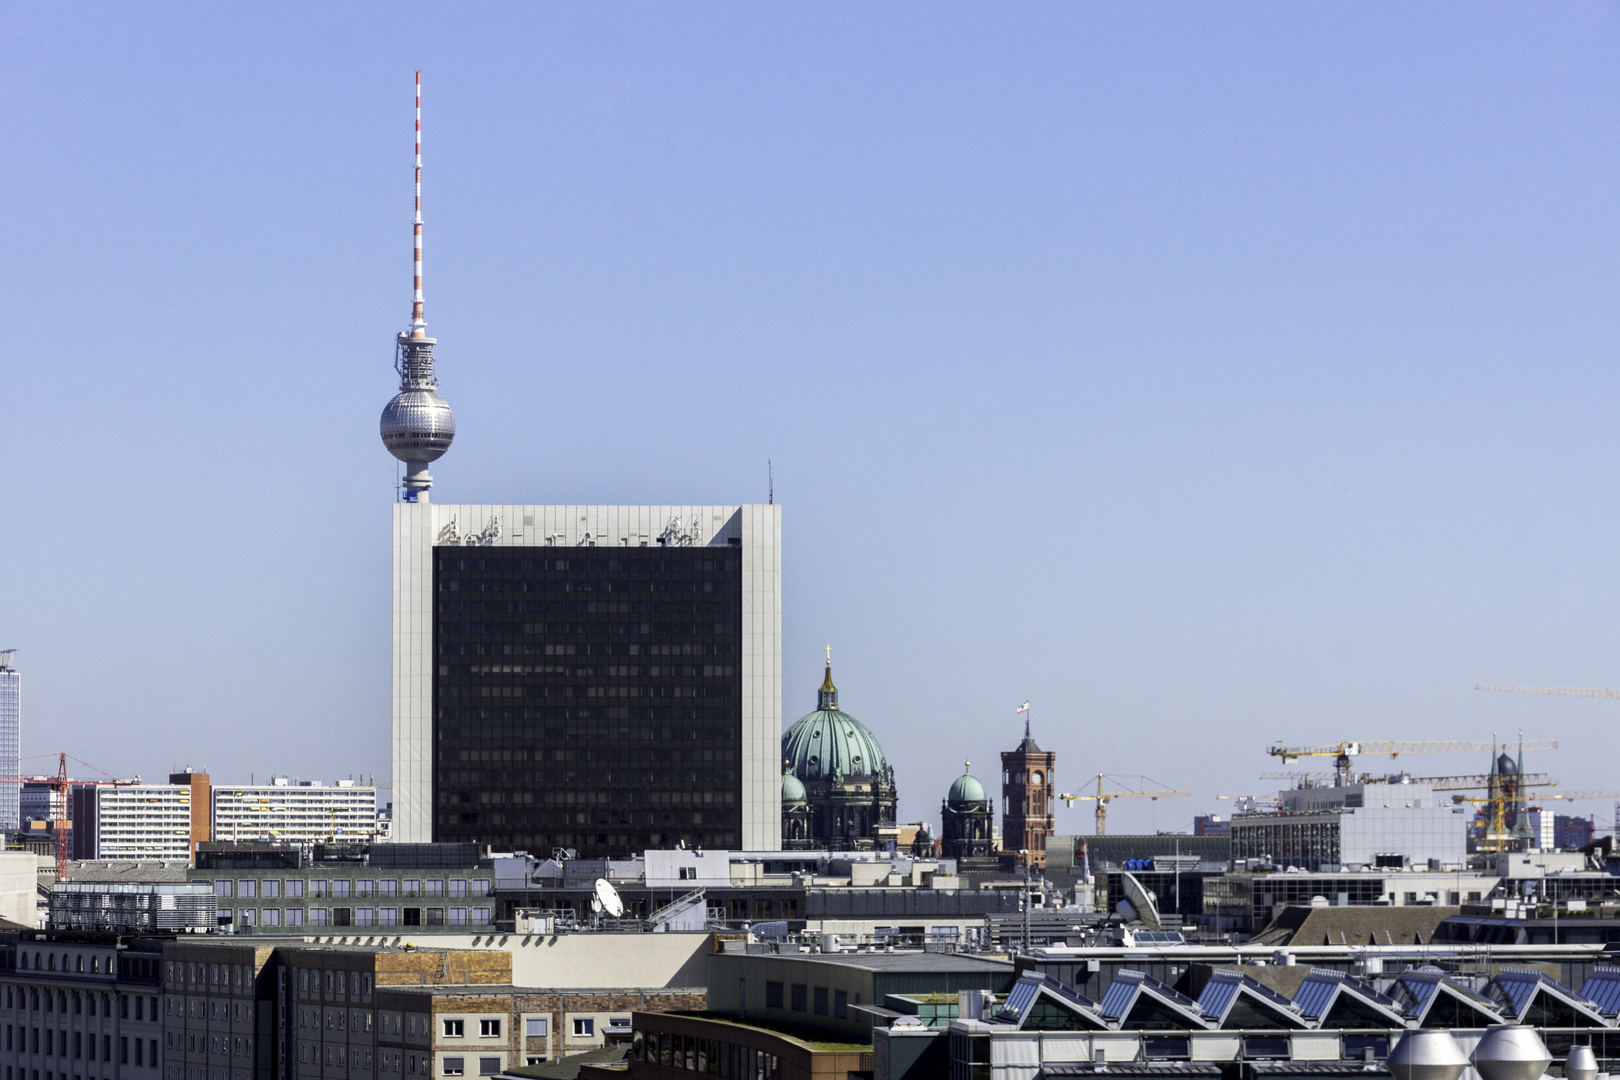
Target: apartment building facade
point(304, 812)
point(79, 1007)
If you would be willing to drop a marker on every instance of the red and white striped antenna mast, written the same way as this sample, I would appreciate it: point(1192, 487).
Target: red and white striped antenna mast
point(418, 324)
point(417, 425)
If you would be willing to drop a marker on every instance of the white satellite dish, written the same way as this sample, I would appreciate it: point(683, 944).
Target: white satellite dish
point(608, 897)
point(1139, 903)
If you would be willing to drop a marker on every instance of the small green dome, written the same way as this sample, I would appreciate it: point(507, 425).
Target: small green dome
point(792, 790)
point(832, 745)
point(965, 790)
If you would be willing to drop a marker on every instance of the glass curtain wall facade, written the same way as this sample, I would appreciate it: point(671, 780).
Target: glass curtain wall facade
point(587, 698)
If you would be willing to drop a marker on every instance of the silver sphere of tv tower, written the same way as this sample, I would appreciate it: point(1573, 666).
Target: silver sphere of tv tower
point(417, 425)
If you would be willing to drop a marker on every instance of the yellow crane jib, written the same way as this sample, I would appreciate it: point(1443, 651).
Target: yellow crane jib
point(1342, 752)
point(1103, 797)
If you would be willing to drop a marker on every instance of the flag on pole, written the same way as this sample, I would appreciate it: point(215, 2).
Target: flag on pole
point(1024, 707)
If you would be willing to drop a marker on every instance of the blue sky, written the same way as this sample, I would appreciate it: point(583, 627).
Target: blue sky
point(1206, 374)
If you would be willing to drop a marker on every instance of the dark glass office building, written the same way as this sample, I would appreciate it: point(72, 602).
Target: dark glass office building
point(588, 699)
point(595, 695)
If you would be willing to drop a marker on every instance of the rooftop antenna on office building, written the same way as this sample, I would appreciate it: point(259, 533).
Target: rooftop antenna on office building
point(770, 482)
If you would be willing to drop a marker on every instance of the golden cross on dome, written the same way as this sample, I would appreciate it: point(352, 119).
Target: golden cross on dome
point(829, 656)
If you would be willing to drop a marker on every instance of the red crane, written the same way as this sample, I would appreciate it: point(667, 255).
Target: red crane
point(61, 785)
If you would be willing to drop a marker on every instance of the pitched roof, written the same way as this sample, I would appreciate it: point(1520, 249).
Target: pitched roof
point(1298, 924)
point(1040, 1002)
point(1429, 998)
point(1135, 1000)
point(1602, 989)
point(1528, 996)
point(1232, 999)
point(1334, 999)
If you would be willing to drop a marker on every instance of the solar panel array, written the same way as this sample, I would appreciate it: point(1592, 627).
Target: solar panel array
point(1019, 998)
point(1602, 989)
point(1218, 995)
point(1029, 987)
point(1121, 992)
point(1315, 995)
point(1415, 987)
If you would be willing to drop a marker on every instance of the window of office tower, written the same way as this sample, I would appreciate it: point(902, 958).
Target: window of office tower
point(587, 698)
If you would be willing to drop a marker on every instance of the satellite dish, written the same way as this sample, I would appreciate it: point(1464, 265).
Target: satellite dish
point(1140, 902)
point(608, 897)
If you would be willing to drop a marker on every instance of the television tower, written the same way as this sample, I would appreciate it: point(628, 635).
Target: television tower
point(417, 425)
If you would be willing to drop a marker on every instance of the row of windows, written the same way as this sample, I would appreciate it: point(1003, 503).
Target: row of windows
point(562, 585)
point(82, 1045)
point(725, 690)
point(627, 671)
point(82, 1002)
point(593, 607)
point(338, 887)
point(215, 976)
point(336, 983)
point(364, 916)
point(336, 1019)
point(206, 1044)
point(535, 648)
point(535, 629)
point(682, 797)
point(205, 1009)
point(516, 723)
point(133, 967)
point(800, 999)
point(697, 1054)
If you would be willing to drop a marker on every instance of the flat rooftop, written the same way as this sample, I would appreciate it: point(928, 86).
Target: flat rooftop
point(896, 961)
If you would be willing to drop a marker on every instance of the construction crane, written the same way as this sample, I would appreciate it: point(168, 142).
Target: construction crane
point(1438, 783)
point(1342, 752)
point(1102, 798)
point(61, 827)
point(1554, 691)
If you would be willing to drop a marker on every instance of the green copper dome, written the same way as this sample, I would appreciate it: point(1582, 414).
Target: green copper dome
point(965, 790)
point(792, 790)
point(829, 745)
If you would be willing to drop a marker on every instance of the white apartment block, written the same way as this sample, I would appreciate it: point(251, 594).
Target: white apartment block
point(306, 812)
point(141, 821)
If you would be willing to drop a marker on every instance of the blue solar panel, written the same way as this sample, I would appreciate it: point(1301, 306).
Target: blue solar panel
point(1169, 994)
point(1020, 998)
point(1068, 993)
point(1316, 993)
point(1219, 993)
point(1602, 988)
point(1224, 987)
point(1029, 987)
point(1121, 992)
point(1414, 989)
point(1513, 988)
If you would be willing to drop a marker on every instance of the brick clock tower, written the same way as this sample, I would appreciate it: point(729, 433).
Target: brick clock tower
point(1026, 800)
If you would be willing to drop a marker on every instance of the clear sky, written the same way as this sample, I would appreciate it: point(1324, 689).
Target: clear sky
point(1206, 374)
